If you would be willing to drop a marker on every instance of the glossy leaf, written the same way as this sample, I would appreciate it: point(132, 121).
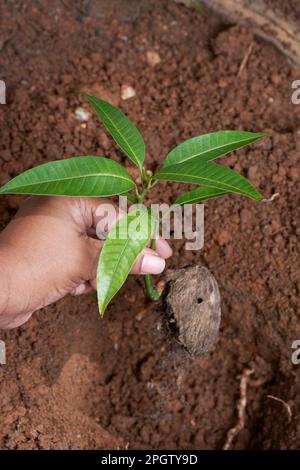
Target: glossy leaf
point(122, 130)
point(210, 175)
point(78, 176)
point(210, 146)
point(200, 194)
point(120, 250)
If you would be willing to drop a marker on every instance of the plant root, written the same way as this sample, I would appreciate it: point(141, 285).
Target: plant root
point(241, 409)
point(285, 404)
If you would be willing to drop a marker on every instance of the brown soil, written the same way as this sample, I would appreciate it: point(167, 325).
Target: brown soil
point(75, 381)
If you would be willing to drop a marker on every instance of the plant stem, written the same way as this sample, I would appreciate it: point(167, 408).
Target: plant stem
point(141, 196)
point(152, 293)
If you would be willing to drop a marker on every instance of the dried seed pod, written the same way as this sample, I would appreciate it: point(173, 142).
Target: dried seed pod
point(192, 305)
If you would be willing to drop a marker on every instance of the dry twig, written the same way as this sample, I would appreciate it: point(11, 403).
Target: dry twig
point(245, 59)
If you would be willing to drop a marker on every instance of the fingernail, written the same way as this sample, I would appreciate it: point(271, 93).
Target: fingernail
point(152, 264)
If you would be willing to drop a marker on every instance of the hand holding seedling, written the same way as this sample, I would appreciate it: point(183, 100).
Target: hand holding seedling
point(46, 253)
point(94, 176)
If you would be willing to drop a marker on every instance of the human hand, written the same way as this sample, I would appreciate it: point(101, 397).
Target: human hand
point(46, 252)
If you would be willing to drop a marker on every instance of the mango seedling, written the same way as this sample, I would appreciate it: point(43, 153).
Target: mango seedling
point(190, 162)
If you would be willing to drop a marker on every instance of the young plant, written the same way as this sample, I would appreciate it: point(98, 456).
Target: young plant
point(189, 162)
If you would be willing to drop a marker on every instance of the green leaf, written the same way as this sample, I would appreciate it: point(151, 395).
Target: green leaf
point(78, 176)
point(124, 243)
point(210, 146)
point(122, 130)
point(200, 194)
point(211, 175)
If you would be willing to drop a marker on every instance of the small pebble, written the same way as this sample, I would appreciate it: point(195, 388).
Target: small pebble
point(153, 58)
point(82, 115)
point(127, 92)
